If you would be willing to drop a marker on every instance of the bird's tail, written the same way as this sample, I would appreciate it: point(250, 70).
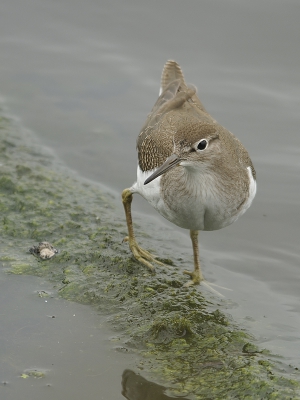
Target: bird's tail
point(170, 73)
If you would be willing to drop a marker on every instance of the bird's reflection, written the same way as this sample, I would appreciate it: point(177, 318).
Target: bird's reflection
point(135, 387)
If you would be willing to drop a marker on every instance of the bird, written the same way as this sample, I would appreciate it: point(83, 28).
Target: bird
point(191, 169)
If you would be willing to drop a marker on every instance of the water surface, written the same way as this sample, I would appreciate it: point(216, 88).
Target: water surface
point(57, 338)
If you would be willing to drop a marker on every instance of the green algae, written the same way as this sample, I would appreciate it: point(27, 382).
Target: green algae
point(33, 373)
point(183, 340)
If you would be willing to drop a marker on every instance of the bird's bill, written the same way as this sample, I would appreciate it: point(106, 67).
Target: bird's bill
point(170, 163)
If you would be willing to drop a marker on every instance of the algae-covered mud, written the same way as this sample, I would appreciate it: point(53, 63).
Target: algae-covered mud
point(184, 342)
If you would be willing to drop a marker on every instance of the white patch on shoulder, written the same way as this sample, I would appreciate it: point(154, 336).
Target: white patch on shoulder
point(151, 191)
point(252, 190)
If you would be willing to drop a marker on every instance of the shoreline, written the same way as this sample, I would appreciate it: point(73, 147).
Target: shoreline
point(201, 351)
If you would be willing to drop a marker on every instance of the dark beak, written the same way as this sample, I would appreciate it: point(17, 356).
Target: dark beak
point(170, 163)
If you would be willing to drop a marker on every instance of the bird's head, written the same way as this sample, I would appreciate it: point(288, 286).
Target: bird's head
point(195, 147)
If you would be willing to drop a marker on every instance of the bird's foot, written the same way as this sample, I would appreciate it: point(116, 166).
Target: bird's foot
point(141, 255)
point(196, 278)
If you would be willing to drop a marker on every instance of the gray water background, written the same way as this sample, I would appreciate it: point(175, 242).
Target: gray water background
point(84, 75)
point(68, 342)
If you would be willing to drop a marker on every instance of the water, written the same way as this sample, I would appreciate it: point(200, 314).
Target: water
point(58, 338)
point(83, 77)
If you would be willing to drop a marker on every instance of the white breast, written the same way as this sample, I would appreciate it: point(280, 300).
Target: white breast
point(151, 191)
point(202, 209)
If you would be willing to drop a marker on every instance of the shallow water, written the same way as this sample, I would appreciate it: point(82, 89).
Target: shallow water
point(83, 77)
point(57, 338)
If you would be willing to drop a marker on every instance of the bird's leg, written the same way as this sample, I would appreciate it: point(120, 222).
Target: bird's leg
point(140, 254)
point(196, 275)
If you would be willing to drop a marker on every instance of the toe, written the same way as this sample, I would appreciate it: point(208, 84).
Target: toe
point(196, 278)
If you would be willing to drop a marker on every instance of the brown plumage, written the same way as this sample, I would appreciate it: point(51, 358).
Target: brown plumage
point(178, 111)
point(195, 172)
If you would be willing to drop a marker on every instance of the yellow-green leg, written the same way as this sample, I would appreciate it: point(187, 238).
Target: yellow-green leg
point(196, 275)
point(143, 256)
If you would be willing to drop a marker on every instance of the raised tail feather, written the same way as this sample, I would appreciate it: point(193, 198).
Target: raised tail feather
point(170, 73)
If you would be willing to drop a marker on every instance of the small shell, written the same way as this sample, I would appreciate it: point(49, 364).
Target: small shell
point(44, 250)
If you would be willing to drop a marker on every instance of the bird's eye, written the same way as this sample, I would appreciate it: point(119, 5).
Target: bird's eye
point(202, 144)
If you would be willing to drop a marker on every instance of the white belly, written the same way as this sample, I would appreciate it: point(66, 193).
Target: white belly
point(202, 209)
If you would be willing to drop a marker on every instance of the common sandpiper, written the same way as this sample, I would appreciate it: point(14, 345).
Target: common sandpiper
point(193, 171)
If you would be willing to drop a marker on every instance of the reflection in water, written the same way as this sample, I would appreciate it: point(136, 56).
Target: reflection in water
point(135, 387)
